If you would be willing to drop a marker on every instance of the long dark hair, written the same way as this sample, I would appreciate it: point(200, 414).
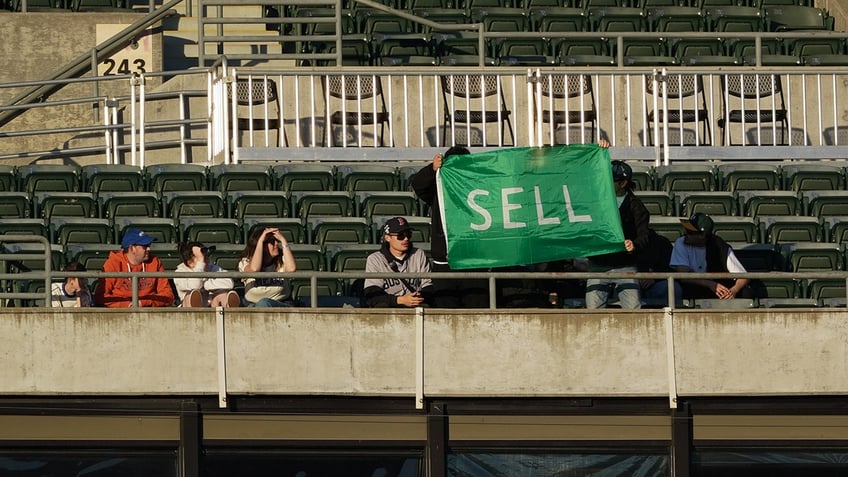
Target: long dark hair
point(253, 242)
point(186, 250)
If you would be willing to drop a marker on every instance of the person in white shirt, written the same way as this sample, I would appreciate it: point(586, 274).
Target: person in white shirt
point(699, 250)
point(73, 292)
point(267, 251)
point(203, 291)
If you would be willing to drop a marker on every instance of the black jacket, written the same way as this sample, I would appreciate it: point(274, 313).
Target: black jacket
point(635, 219)
point(424, 184)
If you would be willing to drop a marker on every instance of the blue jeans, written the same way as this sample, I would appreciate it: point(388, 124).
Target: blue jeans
point(271, 303)
point(598, 290)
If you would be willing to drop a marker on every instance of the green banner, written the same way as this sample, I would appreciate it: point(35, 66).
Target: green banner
point(529, 205)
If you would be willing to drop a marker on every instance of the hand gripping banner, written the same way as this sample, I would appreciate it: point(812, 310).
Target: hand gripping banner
point(528, 205)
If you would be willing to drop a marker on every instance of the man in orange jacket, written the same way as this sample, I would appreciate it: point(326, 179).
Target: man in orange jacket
point(134, 256)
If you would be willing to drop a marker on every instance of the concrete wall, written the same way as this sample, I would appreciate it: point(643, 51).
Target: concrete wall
point(373, 352)
point(44, 43)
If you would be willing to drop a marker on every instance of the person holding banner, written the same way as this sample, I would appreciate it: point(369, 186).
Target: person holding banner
point(398, 255)
point(447, 293)
point(634, 223)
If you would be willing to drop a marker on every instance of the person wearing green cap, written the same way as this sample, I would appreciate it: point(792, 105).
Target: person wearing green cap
point(699, 250)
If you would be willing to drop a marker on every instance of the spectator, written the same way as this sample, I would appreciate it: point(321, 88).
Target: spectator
point(134, 256)
point(447, 293)
point(655, 258)
point(397, 254)
point(203, 291)
point(73, 291)
point(267, 251)
point(634, 222)
point(699, 250)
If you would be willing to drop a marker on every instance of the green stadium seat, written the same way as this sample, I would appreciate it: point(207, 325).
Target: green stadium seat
point(643, 176)
point(163, 229)
point(57, 258)
point(326, 287)
point(228, 256)
point(91, 255)
point(827, 290)
point(796, 17)
point(686, 177)
point(668, 227)
point(773, 202)
point(674, 18)
point(779, 288)
point(758, 257)
point(226, 178)
point(309, 257)
point(708, 202)
point(500, 19)
point(168, 254)
point(73, 230)
point(292, 229)
point(65, 204)
point(193, 204)
point(558, 19)
point(100, 178)
point(175, 177)
point(781, 228)
point(128, 204)
point(812, 256)
point(836, 228)
point(210, 231)
point(733, 18)
point(15, 204)
point(102, 6)
point(736, 229)
point(48, 178)
point(803, 176)
point(825, 202)
point(393, 203)
point(617, 19)
point(748, 176)
point(255, 203)
point(300, 176)
point(339, 230)
point(657, 202)
point(367, 177)
point(20, 226)
point(310, 204)
point(8, 178)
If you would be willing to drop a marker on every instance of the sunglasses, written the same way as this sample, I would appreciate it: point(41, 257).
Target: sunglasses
point(406, 234)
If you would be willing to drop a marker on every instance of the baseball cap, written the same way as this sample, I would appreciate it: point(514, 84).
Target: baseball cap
point(698, 222)
point(395, 225)
point(136, 237)
point(621, 170)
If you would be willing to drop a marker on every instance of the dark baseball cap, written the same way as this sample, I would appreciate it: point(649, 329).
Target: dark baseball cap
point(698, 222)
point(396, 225)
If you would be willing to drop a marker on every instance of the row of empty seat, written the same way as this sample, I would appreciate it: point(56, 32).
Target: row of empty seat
point(163, 178)
point(470, 4)
point(374, 37)
point(98, 180)
point(69, 5)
